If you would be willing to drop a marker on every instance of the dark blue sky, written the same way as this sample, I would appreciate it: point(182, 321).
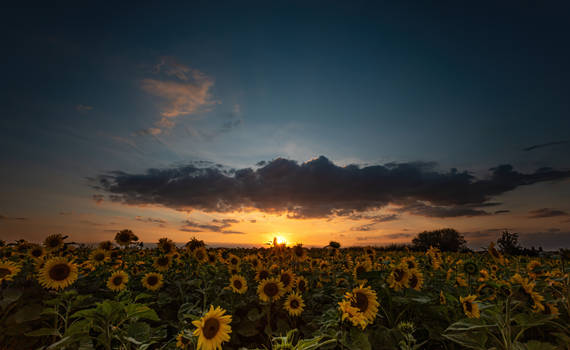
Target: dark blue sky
point(129, 87)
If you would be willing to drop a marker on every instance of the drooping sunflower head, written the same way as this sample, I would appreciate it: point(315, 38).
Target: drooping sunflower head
point(152, 281)
point(238, 284)
point(201, 254)
point(162, 263)
point(213, 329)
point(270, 289)
point(118, 281)
point(8, 270)
point(58, 273)
point(98, 257)
point(125, 237)
point(106, 245)
point(54, 242)
point(416, 279)
point(288, 279)
point(36, 252)
point(294, 304)
point(470, 307)
point(166, 246)
point(299, 253)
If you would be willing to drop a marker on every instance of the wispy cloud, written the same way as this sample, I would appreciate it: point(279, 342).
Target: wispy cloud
point(545, 213)
point(182, 90)
point(12, 218)
point(542, 145)
point(98, 198)
point(83, 108)
point(217, 225)
point(150, 220)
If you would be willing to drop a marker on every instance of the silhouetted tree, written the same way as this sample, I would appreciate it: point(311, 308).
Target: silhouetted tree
point(509, 243)
point(446, 239)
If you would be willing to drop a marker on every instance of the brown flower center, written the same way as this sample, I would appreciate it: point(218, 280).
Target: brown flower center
point(37, 253)
point(286, 279)
point(468, 306)
point(271, 289)
point(263, 274)
point(117, 280)
point(294, 304)
point(59, 272)
point(361, 302)
point(152, 280)
point(238, 284)
point(301, 285)
point(99, 257)
point(211, 328)
point(399, 274)
point(4, 272)
point(234, 261)
point(414, 281)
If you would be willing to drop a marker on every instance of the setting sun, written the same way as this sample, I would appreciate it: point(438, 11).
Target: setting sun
point(279, 240)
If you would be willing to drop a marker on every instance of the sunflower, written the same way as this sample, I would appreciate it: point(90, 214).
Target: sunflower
point(106, 245)
point(470, 307)
point(299, 253)
point(534, 269)
point(238, 284)
point(442, 299)
point(487, 292)
point(352, 314)
point(213, 329)
point(550, 309)
point(54, 242)
point(182, 341)
point(212, 257)
point(98, 257)
point(125, 237)
point(301, 284)
point(270, 289)
point(36, 252)
point(166, 246)
point(498, 257)
point(364, 298)
point(410, 261)
point(152, 281)
point(294, 304)
point(288, 280)
point(118, 281)
point(361, 268)
point(8, 270)
point(58, 273)
point(470, 268)
point(254, 261)
point(162, 263)
point(233, 260)
point(262, 274)
point(484, 275)
point(201, 255)
point(416, 279)
point(399, 277)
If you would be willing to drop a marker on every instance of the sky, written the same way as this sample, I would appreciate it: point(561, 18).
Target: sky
point(360, 122)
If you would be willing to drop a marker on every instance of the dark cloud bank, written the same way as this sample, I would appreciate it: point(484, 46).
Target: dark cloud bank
point(319, 188)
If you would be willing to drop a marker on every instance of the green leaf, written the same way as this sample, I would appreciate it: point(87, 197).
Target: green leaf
point(139, 331)
point(27, 313)
point(254, 314)
point(43, 332)
point(141, 312)
point(358, 340)
point(536, 345)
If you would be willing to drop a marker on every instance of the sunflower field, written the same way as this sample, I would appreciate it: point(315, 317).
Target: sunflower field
point(121, 295)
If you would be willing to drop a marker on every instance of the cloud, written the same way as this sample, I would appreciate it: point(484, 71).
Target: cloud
point(548, 144)
point(319, 188)
point(83, 108)
point(423, 209)
point(90, 223)
point(385, 236)
point(375, 218)
point(98, 198)
point(182, 90)
point(545, 213)
point(217, 225)
point(11, 218)
point(149, 220)
point(66, 213)
point(502, 212)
